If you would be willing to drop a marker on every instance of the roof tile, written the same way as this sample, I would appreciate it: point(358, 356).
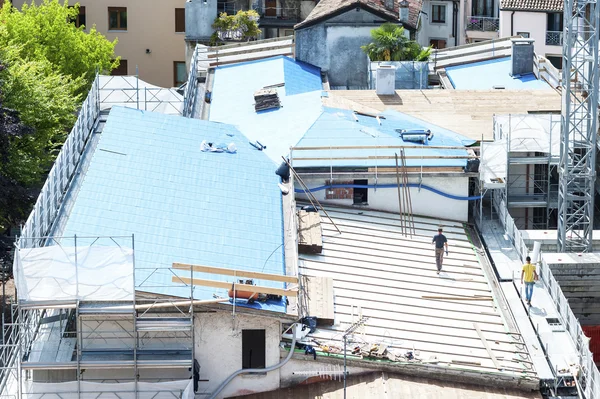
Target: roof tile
point(532, 5)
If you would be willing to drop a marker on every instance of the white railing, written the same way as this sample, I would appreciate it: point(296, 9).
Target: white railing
point(53, 192)
point(554, 38)
point(588, 375)
point(483, 24)
point(189, 94)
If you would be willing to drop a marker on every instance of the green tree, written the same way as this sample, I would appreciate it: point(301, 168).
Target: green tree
point(241, 26)
point(46, 31)
point(391, 44)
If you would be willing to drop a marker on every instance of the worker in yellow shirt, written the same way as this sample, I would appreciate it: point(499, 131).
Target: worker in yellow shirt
point(529, 276)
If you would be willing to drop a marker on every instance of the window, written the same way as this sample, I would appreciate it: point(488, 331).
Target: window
point(555, 60)
point(121, 70)
point(253, 349)
point(360, 194)
point(179, 73)
point(180, 20)
point(117, 18)
point(79, 20)
point(437, 43)
point(438, 13)
point(555, 22)
point(288, 32)
point(524, 35)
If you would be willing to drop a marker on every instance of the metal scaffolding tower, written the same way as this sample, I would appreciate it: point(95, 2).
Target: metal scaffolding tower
point(577, 163)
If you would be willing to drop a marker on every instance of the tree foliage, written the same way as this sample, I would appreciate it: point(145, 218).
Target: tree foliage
point(391, 44)
point(241, 26)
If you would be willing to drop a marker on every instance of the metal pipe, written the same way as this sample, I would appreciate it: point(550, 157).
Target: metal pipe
point(258, 371)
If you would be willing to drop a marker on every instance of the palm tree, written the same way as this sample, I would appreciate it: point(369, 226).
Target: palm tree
point(390, 44)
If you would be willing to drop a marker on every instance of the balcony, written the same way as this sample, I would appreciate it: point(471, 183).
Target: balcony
point(554, 38)
point(278, 16)
point(483, 24)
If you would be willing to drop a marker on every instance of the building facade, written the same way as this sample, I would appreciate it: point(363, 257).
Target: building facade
point(150, 36)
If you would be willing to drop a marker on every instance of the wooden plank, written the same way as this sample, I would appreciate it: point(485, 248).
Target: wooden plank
point(486, 345)
point(387, 157)
point(235, 272)
point(459, 298)
point(370, 147)
point(238, 287)
point(214, 64)
point(253, 43)
point(319, 291)
point(248, 50)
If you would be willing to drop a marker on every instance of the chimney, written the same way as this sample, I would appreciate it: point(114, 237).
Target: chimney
point(389, 4)
point(403, 5)
point(386, 80)
point(521, 57)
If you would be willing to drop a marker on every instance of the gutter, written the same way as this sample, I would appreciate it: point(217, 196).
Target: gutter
point(512, 19)
point(455, 22)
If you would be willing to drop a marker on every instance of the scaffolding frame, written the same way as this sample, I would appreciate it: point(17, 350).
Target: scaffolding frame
point(145, 338)
point(577, 167)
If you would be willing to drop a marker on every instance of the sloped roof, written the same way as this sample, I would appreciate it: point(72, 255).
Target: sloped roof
point(326, 9)
point(148, 177)
point(532, 5)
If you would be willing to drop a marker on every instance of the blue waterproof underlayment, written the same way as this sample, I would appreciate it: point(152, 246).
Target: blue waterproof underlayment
point(148, 177)
point(485, 75)
point(278, 129)
point(336, 127)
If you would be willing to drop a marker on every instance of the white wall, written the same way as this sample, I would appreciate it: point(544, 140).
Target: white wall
point(424, 202)
point(533, 22)
point(430, 30)
point(218, 349)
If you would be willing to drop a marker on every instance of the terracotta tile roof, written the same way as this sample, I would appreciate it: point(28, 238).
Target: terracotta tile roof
point(326, 9)
point(532, 5)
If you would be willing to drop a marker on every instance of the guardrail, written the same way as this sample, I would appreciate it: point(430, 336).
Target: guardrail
point(554, 38)
point(54, 190)
point(483, 24)
point(189, 94)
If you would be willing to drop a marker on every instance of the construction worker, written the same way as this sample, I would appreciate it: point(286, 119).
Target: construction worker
point(529, 275)
point(440, 241)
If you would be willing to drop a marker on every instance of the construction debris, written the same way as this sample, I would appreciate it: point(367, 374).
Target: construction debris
point(310, 240)
point(266, 99)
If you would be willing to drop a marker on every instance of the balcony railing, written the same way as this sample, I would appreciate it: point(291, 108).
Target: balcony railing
point(483, 24)
point(554, 38)
point(291, 13)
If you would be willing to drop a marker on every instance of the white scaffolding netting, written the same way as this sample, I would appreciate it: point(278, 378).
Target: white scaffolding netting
point(182, 389)
point(492, 170)
point(60, 273)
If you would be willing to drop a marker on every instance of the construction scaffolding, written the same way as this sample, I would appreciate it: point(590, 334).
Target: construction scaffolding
point(520, 168)
point(83, 326)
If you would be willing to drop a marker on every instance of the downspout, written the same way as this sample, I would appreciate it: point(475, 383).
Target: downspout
point(455, 22)
point(512, 19)
point(258, 371)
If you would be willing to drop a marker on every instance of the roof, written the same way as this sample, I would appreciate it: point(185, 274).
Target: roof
point(380, 273)
point(338, 127)
point(382, 384)
point(326, 9)
point(300, 95)
point(148, 176)
point(532, 5)
point(492, 73)
point(467, 112)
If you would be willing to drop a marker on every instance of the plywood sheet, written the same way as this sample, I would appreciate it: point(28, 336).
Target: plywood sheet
point(320, 298)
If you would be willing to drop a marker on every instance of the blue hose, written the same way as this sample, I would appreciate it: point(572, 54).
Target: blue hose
point(438, 192)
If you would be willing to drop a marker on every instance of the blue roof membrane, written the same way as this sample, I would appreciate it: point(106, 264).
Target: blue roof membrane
point(337, 127)
point(148, 177)
point(233, 101)
point(488, 74)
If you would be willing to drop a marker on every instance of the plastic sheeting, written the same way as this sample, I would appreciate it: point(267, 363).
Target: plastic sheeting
point(529, 133)
point(74, 273)
point(182, 389)
point(492, 169)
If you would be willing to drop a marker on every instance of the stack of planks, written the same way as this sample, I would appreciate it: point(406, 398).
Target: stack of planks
point(266, 99)
point(310, 240)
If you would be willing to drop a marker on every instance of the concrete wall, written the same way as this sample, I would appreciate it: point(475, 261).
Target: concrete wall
point(533, 22)
point(199, 16)
point(150, 25)
point(424, 202)
point(334, 46)
point(219, 351)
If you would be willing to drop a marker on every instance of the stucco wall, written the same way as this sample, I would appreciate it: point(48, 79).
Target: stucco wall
point(533, 22)
point(199, 16)
point(432, 30)
point(334, 46)
point(424, 202)
point(150, 25)
point(218, 349)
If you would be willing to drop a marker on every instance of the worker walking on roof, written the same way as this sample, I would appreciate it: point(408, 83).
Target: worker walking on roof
point(529, 275)
point(440, 241)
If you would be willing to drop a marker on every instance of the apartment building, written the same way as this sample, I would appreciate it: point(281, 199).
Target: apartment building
point(150, 36)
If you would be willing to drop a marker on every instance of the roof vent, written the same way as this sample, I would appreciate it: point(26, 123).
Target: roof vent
point(498, 87)
point(266, 99)
point(385, 85)
point(521, 57)
point(415, 135)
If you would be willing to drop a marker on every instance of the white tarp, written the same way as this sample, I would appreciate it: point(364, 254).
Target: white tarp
point(492, 169)
point(182, 389)
point(529, 133)
point(67, 273)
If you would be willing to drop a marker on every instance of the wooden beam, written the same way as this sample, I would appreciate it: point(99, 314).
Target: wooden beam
point(253, 43)
point(276, 46)
point(486, 345)
point(371, 147)
point(236, 273)
point(214, 64)
point(374, 157)
point(459, 298)
point(239, 287)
